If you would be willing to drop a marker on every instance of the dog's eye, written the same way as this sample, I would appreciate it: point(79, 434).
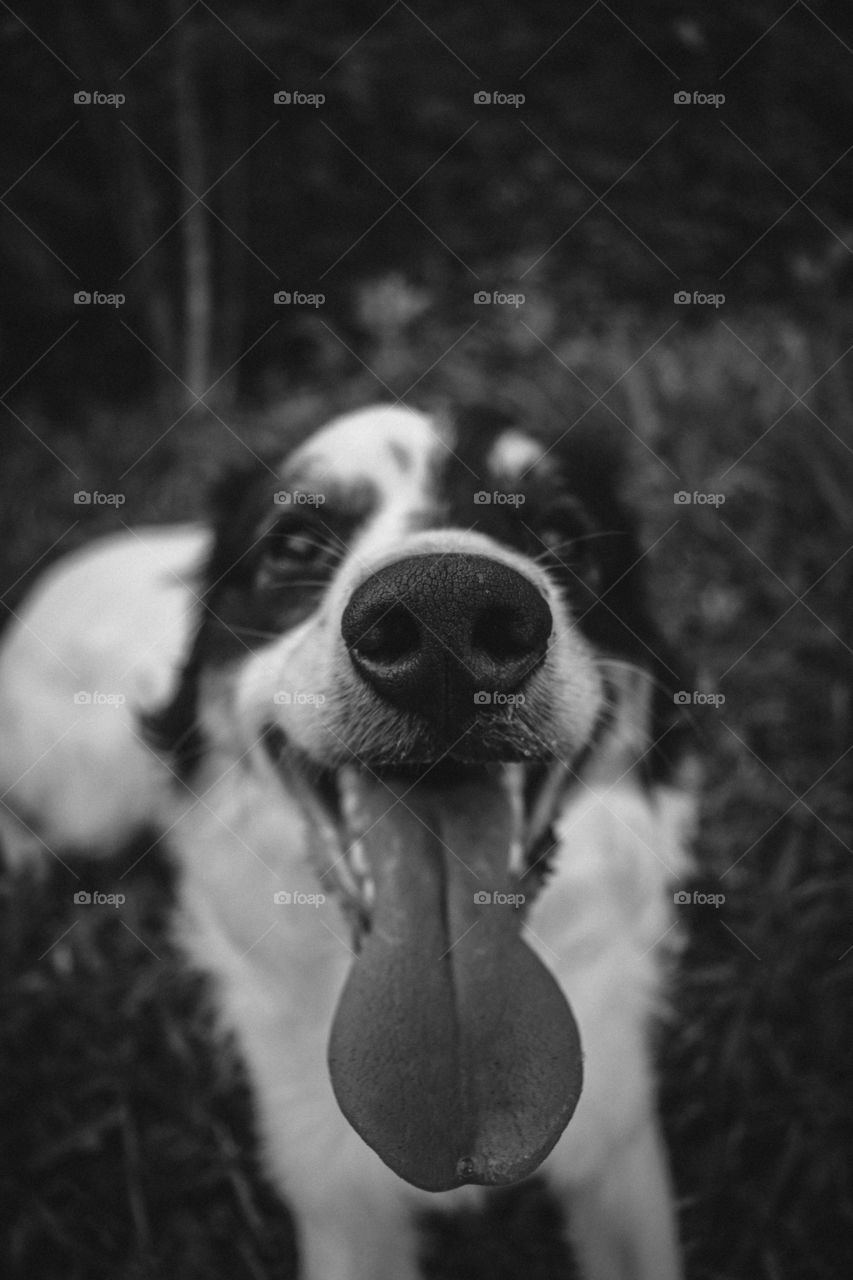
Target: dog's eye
point(289, 552)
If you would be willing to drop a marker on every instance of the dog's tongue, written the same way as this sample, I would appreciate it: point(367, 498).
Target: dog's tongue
point(453, 1052)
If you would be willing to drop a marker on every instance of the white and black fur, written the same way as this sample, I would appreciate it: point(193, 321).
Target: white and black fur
point(249, 696)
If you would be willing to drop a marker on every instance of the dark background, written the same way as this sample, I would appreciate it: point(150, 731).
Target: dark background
point(126, 1147)
point(751, 197)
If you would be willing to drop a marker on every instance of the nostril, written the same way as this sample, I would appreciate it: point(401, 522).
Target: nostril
point(505, 634)
point(393, 636)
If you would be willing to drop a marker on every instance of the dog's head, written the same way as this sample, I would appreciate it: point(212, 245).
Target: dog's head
point(412, 619)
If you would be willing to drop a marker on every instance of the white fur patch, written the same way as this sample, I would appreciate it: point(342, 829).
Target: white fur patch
point(116, 620)
point(388, 446)
point(514, 454)
point(103, 635)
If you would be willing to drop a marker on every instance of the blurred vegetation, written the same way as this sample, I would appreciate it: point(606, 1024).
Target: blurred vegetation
point(305, 198)
point(127, 1146)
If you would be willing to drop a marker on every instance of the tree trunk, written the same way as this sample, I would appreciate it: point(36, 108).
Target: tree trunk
point(230, 338)
point(197, 280)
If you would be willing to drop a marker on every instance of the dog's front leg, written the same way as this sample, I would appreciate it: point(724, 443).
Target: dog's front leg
point(353, 1216)
point(347, 1239)
point(278, 974)
point(622, 1221)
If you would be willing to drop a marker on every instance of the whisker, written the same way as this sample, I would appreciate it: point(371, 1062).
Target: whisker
point(573, 542)
point(613, 703)
point(637, 669)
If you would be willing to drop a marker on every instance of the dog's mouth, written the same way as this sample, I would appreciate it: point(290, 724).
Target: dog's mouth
point(453, 1052)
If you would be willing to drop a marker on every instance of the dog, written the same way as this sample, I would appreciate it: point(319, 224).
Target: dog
point(400, 714)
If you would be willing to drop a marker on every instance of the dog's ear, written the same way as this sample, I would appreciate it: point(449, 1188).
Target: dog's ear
point(237, 503)
point(233, 505)
point(597, 462)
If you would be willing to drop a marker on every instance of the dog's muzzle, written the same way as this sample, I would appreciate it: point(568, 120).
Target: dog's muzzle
point(453, 1051)
point(431, 632)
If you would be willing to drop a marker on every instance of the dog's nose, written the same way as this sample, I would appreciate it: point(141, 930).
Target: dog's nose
point(430, 632)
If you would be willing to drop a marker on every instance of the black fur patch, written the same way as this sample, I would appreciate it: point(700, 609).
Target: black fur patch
point(254, 589)
point(573, 522)
point(271, 560)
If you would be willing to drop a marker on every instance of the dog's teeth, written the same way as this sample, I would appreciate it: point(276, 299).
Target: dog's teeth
point(346, 879)
point(358, 860)
point(545, 803)
point(359, 869)
point(516, 857)
point(355, 878)
point(513, 781)
point(349, 796)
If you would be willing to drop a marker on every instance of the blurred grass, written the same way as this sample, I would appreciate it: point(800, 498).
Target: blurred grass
point(127, 1148)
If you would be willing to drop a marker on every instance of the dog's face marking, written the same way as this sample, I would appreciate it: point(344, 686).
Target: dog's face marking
point(380, 508)
point(514, 454)
point(387, 485)
point(389, 447)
